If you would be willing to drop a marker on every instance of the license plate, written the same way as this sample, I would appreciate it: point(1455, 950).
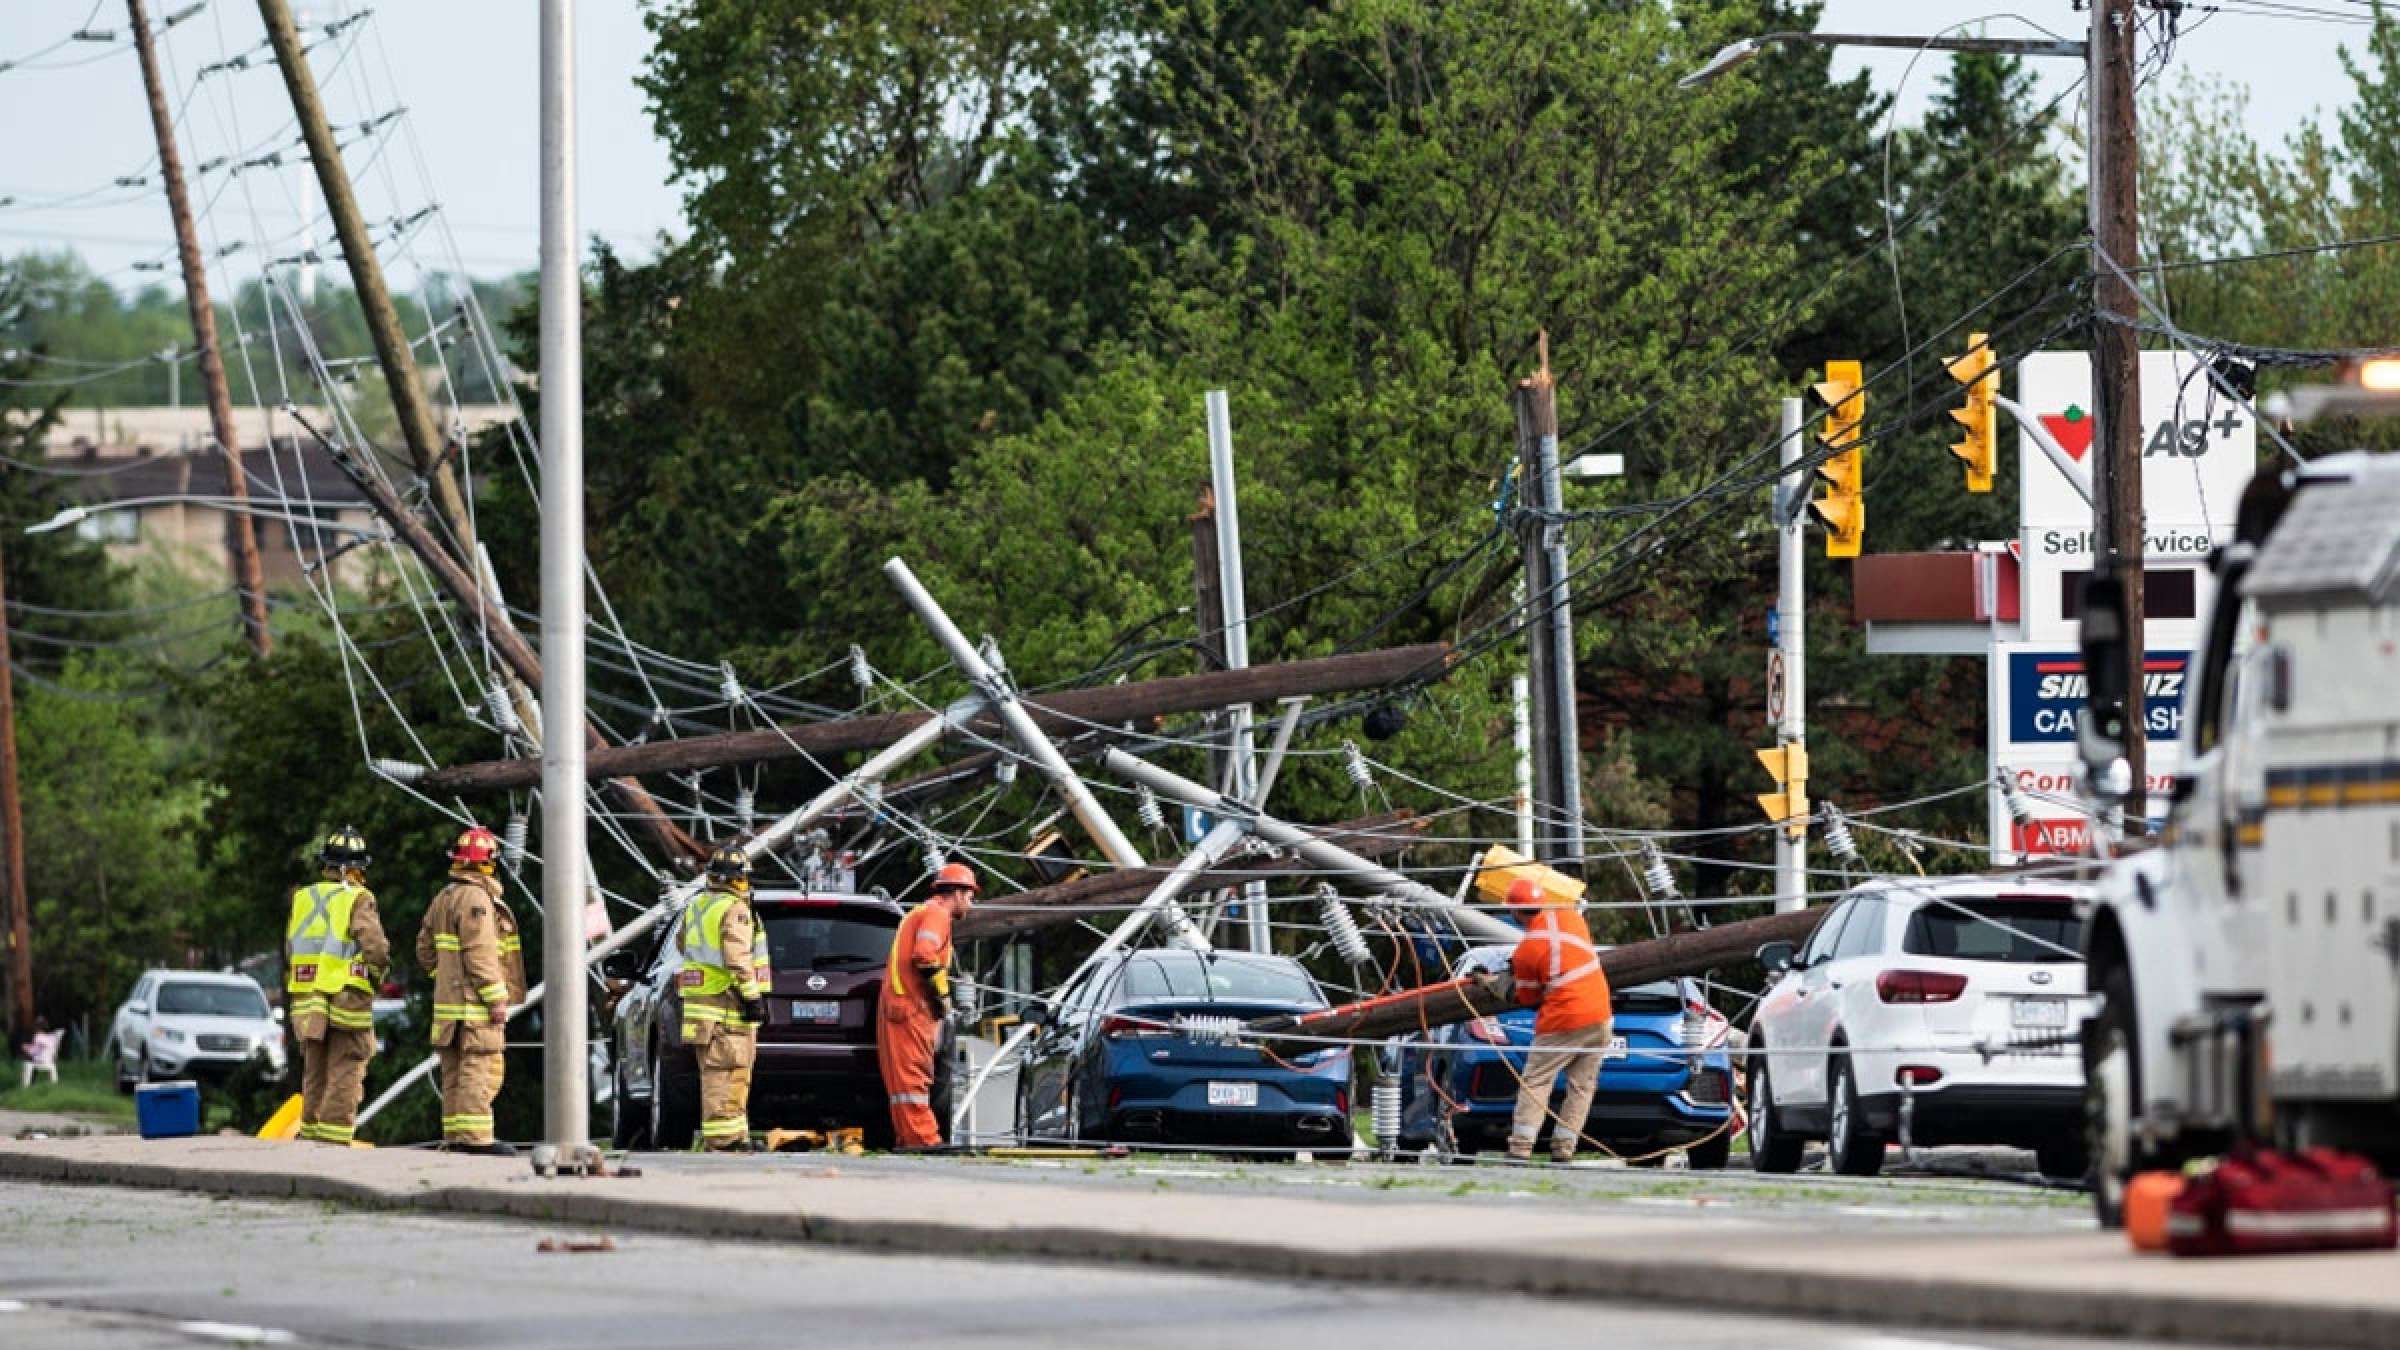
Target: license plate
point(1616, 1049)
point(2040, 1012)
point(1233, 1094)
point(816, 1010)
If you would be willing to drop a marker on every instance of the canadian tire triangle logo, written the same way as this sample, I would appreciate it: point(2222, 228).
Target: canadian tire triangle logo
point(2071, 429)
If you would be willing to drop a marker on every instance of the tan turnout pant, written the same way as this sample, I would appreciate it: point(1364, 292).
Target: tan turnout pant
point(333, 1075)
point(725, 1064)
point(1570, 1052)
point(470, 1080)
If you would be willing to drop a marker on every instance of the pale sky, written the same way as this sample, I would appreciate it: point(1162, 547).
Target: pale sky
point(72, 120)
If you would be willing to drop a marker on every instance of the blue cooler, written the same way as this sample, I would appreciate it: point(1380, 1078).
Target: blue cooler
point(167, 1110)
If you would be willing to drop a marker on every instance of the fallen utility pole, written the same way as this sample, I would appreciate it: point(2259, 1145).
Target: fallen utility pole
point(1669, 957)
point(1049, 906)
point(1319, 852)
point(775, 836)
point(1069, 710)
point(493, 622)
point(1038, 748)
point(12, 825)
point(392, 350)
point(241, 536)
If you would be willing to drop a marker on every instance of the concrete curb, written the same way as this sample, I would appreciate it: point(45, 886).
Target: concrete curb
point(1885, 1296)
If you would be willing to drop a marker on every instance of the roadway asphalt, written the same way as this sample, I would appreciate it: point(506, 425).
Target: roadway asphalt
point(95, 1268)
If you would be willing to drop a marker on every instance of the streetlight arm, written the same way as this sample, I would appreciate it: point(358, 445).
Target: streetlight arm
point(1737, 53)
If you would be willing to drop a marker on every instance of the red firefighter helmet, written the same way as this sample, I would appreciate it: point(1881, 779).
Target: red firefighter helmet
point(476, 846)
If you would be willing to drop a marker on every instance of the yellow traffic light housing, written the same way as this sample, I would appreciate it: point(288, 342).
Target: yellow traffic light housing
point(1843, 508)
point(1787, 764)
point(1979, 415)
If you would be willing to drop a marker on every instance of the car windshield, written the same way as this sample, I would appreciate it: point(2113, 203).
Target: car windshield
point(1151, 979)
point(805, 941)
point(2028, 930)
point(211, 1000)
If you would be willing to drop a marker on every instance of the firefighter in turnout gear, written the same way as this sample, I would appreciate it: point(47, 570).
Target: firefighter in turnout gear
point(723, 987)
point(470, 943)
point(916, 1002)
point(335, 955)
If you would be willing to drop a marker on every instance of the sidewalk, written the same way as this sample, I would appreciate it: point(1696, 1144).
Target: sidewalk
point(2081, 1283)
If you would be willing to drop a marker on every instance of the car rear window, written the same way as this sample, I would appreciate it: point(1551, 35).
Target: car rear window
point(2027, 931)
point(804, 941)
point(1659, 996)
point(211, 1000)
point(1151, 979)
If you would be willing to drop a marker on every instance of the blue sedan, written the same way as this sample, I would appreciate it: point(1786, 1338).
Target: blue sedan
point(1653, 1094)
point(1139, 1052)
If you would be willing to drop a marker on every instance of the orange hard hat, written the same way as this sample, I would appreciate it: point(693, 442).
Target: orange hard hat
point(958, 876)
point(1525, 891)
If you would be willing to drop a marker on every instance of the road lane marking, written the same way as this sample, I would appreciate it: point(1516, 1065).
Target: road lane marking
point(236, 1333)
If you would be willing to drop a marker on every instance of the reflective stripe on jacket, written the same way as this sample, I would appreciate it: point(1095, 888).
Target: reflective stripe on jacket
point(724, 962)
point(921, 947)
point(1557, 968)
point(334, 952)
point(470, 943)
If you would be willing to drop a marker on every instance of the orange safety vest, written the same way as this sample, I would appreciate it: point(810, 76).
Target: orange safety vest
point(1557, 967)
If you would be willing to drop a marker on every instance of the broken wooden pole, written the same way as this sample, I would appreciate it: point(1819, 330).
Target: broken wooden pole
point(493, 623)
point(1434, 1005)
point(1049, 906)
point(1067, 711)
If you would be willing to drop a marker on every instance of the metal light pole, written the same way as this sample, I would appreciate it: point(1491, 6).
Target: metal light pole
point(566, 1095)
point(1237, 635)
point(1791, 616)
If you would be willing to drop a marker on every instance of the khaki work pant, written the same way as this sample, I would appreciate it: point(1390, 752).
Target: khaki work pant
point(470, 1080)
point(333, 1075)
point(1570, 1052)
point(725, 1064)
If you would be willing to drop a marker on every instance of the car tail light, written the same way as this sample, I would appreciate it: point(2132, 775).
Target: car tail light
point(1916, 1075)
point(1919, 986)
point(1488, 1030)
point(1341, 1100)
point(1116, 1027)
point(1116, 1098)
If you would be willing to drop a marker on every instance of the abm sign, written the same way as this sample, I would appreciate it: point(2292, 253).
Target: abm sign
point(2046, 692)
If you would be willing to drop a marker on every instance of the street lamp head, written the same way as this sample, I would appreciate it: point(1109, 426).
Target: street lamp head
point(1728, 56)
point(72, 515)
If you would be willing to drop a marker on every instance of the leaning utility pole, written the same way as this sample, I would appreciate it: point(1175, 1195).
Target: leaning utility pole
point(392, 351)
point(12, 824)
point(242, 538)
point(2116, 354)
point(566, 1096)
point(1550, 627)
point(1236, 642)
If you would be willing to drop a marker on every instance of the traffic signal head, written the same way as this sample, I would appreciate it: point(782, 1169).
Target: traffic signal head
point(1979, 414)
point(1843, 508)
point(1787, 764)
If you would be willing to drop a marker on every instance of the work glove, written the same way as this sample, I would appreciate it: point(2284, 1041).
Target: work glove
point(754, 1011)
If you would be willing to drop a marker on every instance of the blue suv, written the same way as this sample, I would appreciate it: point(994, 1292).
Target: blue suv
point(1463, 1095)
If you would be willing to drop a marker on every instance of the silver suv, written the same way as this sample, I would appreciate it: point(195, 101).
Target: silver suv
point(193, 1024)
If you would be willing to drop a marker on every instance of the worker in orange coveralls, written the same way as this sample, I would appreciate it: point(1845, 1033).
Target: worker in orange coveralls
point(916, 1002)
point(1558, 970)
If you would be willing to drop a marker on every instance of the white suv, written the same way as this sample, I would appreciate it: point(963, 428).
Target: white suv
point(1925, 1011)
point(192, 1024)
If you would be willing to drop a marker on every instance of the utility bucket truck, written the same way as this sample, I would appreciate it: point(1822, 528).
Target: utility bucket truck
point(2249, 964)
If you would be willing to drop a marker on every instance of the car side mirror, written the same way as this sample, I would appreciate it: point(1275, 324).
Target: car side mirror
point(137, 1007)
point(1776, 957)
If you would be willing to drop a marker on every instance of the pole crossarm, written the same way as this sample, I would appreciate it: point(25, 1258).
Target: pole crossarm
point(1064, 712)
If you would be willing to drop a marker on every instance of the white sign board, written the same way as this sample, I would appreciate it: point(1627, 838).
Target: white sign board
point(2198, 451)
